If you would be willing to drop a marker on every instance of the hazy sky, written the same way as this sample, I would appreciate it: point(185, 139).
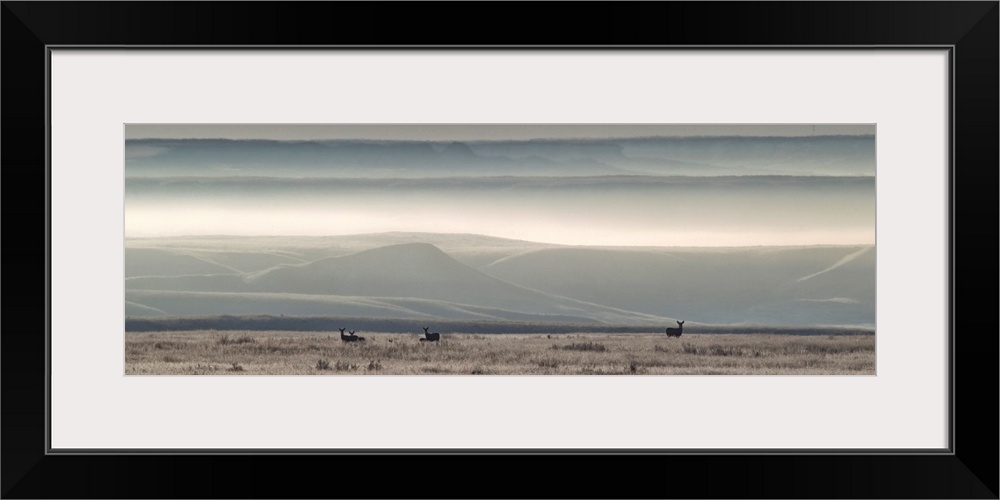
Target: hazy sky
point(688, 192)
point(639, 211)
point(477, 132)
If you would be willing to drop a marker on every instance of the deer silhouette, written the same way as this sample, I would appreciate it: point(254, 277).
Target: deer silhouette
point(349, 338)
point(431, 337)
point(676, 332)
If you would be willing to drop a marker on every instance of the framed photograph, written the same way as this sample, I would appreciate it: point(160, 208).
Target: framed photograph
point(537, 250)
point(705, 254)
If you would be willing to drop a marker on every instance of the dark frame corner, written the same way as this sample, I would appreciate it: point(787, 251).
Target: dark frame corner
point(969, 470)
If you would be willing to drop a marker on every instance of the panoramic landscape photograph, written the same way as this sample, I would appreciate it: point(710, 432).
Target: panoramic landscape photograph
point(500, 249)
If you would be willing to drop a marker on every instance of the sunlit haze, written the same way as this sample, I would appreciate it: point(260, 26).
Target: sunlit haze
point(595, 185)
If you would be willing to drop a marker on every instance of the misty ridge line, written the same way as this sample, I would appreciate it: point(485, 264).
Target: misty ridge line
point(467, 276)
point(248, 277)
point(546, 180)
point(565, 140)
point(595, 156)
point(397, 272)
point(315, 239)
point(320, 237)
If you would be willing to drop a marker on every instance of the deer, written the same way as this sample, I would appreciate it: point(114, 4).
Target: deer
point(431, 337)
point(676, 332)
point(349, 338)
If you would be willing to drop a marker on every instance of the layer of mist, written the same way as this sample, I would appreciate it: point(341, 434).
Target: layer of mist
point(615, 232)
point(499, 280)
point(617, 210)
point(810, 155)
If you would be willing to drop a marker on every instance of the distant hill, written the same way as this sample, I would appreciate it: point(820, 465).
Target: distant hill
point(483, 277)
point(733, 285)
point(406, 271)
point(186, 255)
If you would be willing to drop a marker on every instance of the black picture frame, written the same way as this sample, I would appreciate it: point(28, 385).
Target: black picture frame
point(968, 470)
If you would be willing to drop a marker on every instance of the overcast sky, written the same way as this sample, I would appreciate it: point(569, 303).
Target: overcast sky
point(465, 132)
point(774, 192)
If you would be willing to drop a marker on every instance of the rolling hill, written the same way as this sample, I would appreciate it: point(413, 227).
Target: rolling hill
point(402, 275)
point(418, 272)
point(793, 285)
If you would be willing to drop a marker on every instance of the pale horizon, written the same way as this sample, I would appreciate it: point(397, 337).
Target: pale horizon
point(718, 242)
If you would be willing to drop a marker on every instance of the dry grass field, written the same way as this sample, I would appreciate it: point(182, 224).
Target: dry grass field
point(312, 353)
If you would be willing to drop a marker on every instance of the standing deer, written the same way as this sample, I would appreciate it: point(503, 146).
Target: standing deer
point(676, 332)
point(356, 338)
point(431, 337)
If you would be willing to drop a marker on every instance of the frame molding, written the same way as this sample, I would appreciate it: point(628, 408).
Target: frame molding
point(31, 469)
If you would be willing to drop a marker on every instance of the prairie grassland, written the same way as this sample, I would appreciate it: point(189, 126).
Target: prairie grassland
point(311, 353)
